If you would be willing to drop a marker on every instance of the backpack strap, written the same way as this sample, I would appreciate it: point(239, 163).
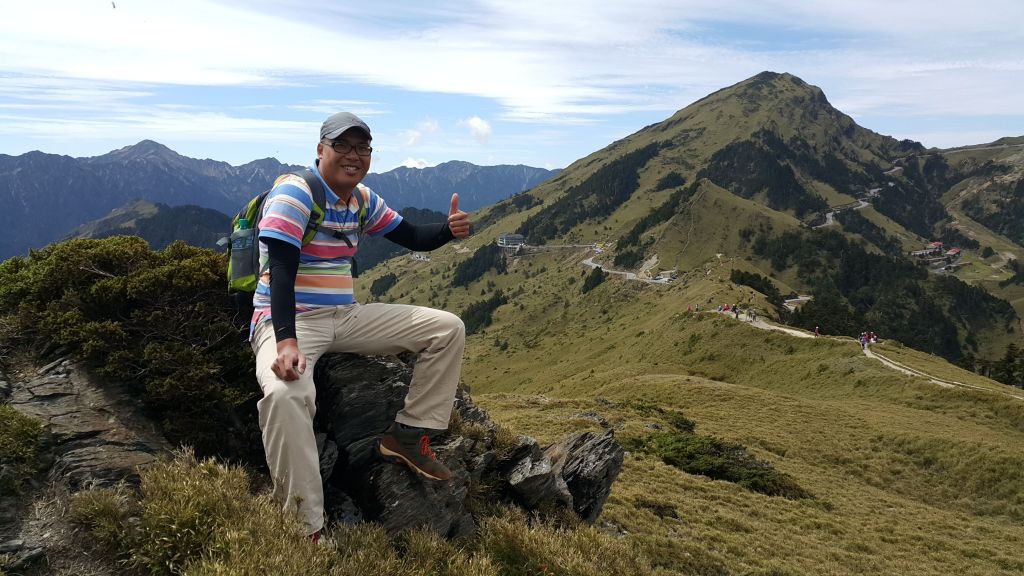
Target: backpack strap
point(319, 209)
point(320, 202)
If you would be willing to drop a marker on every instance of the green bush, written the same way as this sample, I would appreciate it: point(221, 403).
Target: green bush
point(717, 459)
point(596, 277)
point(381, 285)
point(21, 439)
point(487, 257)
point(158, 322)
point(707, 456)
point(478, 315)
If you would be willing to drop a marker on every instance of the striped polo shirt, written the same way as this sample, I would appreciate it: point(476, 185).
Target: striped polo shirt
point(325, 264)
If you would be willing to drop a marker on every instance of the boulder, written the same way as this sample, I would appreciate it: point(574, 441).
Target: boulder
point(358, 397)
point(590, 463)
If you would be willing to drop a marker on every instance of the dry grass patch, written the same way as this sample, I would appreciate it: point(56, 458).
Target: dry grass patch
point(200, 518)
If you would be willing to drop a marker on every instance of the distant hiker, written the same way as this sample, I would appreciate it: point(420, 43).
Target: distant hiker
point(305, 307)
point(816, 331)
point(736, 311)
point(689, 308)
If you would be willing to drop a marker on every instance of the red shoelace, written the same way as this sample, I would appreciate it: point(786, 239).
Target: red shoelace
point(425, 447)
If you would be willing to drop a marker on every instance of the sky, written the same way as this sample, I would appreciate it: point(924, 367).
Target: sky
point(535, 82)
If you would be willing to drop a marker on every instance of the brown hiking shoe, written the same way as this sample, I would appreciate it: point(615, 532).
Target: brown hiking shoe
point(411, 446)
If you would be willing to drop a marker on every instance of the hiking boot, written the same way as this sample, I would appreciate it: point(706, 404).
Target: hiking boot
point(411, 446)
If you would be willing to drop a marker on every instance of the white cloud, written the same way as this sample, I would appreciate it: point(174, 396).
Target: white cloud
point(416, 163)
point(413, 136)
point(410, 138)
point(360, 108)
point(570, 63)
point(479, 128)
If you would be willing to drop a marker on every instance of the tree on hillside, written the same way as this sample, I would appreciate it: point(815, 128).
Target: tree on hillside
point(596, 277)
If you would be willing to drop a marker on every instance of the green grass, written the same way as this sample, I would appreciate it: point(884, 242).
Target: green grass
point(907, 477)
point(21, 440)
point(200, 518)
point(936, 366)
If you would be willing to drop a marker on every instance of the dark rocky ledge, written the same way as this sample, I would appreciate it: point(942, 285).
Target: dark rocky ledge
point(96, 437)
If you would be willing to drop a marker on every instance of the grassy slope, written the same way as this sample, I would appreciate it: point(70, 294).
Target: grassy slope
point(909, 478)
point(990, 271)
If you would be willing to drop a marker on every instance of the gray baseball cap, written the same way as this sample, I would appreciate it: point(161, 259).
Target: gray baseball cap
point(339, 123)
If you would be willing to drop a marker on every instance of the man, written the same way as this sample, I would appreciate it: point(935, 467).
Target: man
point(305, 307)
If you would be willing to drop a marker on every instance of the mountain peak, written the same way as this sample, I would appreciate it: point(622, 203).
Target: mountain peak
point(144, 149)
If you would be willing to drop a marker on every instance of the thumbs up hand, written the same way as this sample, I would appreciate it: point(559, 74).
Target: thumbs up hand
point(458, 221)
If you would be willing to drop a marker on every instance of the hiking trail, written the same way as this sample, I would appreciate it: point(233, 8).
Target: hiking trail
point(887, 362)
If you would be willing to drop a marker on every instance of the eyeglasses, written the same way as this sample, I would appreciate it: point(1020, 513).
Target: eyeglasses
point(342, 147)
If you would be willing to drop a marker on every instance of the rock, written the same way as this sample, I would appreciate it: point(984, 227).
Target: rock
point(96, 438)
point(592, 463)
point(50, 366)
point(26, 557)
point(89, 442)
point(362, 395)
point(470, 412)
point(11, 546)
point(341, 508)
point(397, 498)
point(591, 415)
point(534, 480)
point(21, 555)
point(328, 454)
point(8, 510)
point(102, 465)
point(358, 397)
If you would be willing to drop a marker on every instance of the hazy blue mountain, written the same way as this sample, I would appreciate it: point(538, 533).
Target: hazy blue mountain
point(43, 197)
point(478, 186)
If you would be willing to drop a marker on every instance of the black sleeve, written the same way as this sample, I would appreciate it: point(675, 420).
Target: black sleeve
point(421, 238)
point(284, 266)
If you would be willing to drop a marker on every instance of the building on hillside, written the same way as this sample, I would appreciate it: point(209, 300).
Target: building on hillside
point(510, 242)
point(933, 248)
point(952, 253)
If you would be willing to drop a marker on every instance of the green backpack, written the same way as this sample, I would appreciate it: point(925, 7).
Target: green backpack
point(243, 244)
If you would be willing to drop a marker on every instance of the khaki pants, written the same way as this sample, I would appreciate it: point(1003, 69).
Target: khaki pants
point(288, 407)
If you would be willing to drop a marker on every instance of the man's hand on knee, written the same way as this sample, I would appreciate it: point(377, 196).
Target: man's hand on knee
point(290, 362)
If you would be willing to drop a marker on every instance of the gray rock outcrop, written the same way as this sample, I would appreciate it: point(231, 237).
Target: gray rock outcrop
point(358, 397)
point(98, 439)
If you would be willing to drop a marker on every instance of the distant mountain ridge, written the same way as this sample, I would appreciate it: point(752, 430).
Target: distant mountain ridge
point(160, 224)
point(44, 196)
point(477, 186)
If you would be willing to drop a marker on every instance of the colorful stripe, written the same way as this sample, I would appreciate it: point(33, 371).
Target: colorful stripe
point(325, 264)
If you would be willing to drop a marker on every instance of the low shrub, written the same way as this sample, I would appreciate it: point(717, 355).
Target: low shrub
point(21, 440)
point(717, 459)
point(160, 323)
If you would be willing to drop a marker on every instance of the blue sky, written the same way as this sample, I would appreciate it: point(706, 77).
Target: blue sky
point(531, 82)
